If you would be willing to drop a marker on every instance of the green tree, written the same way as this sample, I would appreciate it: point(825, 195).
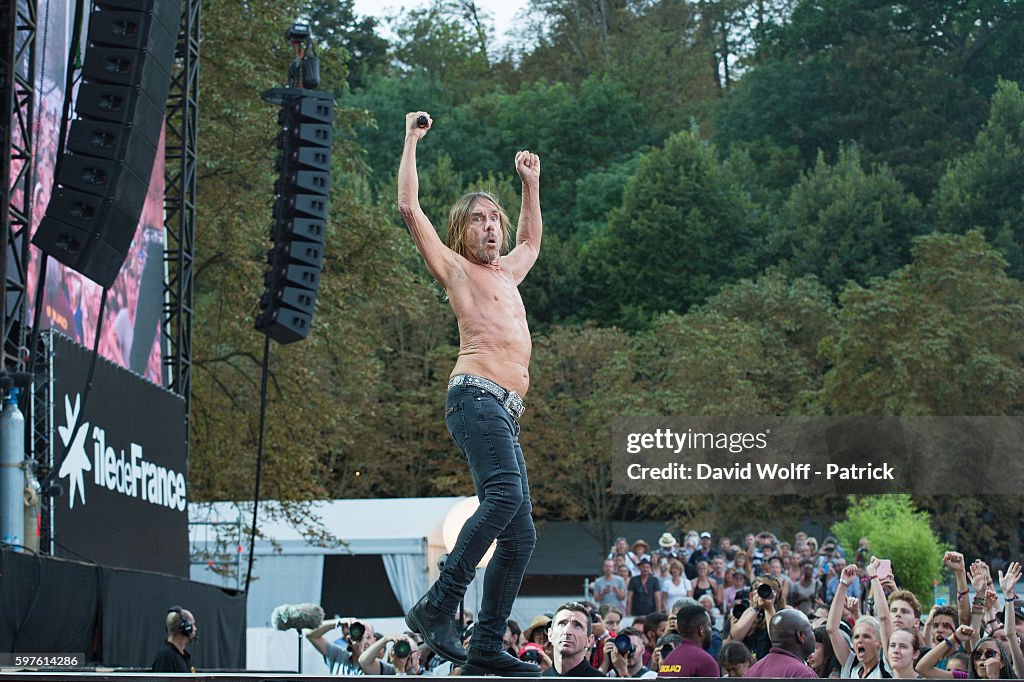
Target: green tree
point(908, 83)
point(574, 130)
point(841, 223)
point(335, 24)
point(580, 381)
point(321, 427)
point(984, 188)
point(439, 40)
point(684, 230)
point(941, 336)
point(899, 532)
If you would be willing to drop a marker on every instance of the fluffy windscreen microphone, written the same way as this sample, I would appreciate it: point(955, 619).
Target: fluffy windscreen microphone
point(297, 617)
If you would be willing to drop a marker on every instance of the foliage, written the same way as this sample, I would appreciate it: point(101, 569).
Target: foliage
point(908, 82)
point(841, 223)
point(899, 532)
point(984, 188)
point(580, 377)
point(437, 40)
point(941, 336)
point(335, 25)
point(684, 230)
point(678, 276)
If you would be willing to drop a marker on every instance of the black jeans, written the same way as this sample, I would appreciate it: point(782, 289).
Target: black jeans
point(489, 438)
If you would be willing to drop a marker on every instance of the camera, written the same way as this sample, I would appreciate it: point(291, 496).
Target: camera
point(297, 33)
point(530, 656)
point(765, 591)
point(624, 644)
point(356, 631)
point(402, 648)
point(739, 607)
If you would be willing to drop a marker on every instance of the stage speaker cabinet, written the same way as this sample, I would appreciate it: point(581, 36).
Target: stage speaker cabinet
point(104, 175)
point(302, 189)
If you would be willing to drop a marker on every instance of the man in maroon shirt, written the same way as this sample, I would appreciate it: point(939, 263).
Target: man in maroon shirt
point(690, 659)
point(792, 642)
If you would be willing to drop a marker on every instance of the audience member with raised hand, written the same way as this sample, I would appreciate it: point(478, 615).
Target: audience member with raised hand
point(878, 595)
point(343, 660)
point(981, 581)
point(751, 627)
point(926, 666)
point(864, 658)
point(954, 561)
point(404, 657)
point(1008, 583)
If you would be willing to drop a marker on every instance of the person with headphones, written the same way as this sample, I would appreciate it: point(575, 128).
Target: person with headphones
point(181, 631)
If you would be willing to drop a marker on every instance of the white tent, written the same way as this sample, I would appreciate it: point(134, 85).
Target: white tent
point(409, 535)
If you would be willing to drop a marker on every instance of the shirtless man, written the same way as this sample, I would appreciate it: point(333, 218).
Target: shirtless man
point(484, 402)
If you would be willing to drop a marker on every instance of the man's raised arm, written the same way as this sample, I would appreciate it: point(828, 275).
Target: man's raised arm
point(528, 233)
point(439, 258)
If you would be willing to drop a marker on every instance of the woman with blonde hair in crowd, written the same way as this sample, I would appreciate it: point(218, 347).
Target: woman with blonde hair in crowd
point(676, 585)
point(863, 658)
point(703, 584)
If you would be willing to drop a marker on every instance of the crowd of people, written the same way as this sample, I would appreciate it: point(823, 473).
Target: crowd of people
point(764, 608)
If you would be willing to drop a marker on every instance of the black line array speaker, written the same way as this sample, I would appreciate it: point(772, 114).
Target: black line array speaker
point(104, 176)
point(292, 278)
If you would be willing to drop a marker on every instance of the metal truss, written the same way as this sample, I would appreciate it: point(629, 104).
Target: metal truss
point(17, 100)
point(180, 205)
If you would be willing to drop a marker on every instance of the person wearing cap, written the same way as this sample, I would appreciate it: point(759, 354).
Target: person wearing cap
point(534, 653)
point(610, 589)
point(644, 593)
point(705, 552)
point(792, 642)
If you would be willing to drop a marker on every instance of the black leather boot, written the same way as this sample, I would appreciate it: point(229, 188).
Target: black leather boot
point(437, 629)
point(499, 663)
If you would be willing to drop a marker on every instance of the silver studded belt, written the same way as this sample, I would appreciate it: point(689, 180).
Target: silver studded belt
point(510, 400)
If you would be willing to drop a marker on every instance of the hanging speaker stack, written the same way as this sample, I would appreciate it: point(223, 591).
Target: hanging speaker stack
point(104, 175)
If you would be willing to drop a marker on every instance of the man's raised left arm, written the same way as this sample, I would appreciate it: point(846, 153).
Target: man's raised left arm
point(521, 258)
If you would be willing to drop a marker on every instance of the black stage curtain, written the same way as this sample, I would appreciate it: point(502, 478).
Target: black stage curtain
point(47, 605)
point(114, 616)
point(135, 604)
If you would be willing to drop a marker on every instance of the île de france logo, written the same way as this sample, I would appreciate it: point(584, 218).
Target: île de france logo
point(77, 460)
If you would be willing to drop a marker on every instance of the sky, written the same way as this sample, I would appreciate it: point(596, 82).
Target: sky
point(502, 12)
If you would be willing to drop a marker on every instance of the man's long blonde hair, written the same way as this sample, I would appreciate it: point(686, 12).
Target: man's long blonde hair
point(458, 223)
